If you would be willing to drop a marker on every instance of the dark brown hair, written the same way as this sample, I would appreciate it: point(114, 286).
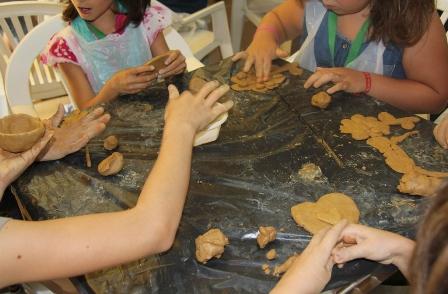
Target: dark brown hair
point(402, 22)
point(429, 267)
point(135, 10)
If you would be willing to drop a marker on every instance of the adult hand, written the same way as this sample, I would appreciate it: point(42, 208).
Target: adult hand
point(175, 64)
point(70, 138)
point(311, 271)
point(441, 133)
point(196, 111)
point(12, 165)
point(132, 80)
point(260, 54)
point(374, 244)
point(344, 79)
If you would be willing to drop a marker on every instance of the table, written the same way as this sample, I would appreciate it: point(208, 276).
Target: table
point(246, 179)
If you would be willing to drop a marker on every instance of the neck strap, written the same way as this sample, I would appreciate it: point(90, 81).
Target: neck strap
point(356, 44)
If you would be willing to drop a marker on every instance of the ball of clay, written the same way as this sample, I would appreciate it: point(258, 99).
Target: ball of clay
point(19, 132)
point(111, 165)
point(321, 100)
point(110, 143)
point(209, 245)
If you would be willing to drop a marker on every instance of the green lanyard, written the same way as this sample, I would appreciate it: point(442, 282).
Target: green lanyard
point(357, 42)
point(98, 34)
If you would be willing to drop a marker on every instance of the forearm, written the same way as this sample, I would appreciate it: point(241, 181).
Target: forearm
point(284, 21)
point(92, 242)
point(407, 95)
point(107, 93)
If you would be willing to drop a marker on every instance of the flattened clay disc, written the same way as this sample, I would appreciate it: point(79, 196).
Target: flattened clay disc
point(159, 61)
point(19, 132)
point(304, 215)
point(111, 165)
point(344, 205)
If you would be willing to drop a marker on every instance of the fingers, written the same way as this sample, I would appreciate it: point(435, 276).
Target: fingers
point(222, 107)
point(142, 69)
point(216, 94)
point(280, 53)
point(207, 89)
point(333, 236)
point(173, 92)
point(240, 55)
point(266, 69)
point(173, 56)
point(441, 133)
point(248, 64)
point(341, 86)
point(56, 119)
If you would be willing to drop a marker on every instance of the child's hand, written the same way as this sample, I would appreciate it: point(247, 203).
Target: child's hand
point(12, 165)
point(373, 244)
point(260, 53)
point(311, 271)
point(441, 133)
point(71, 138)
point(175, 64)
point(132, 80)
point(196, 111)
point(344, 79)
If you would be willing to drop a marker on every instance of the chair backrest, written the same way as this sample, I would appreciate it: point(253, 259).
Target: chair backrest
point(204, 42)
point(22, 59)
point(17, 19)
point(4, 107)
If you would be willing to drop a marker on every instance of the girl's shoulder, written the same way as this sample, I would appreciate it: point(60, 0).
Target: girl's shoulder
point(157, 17)
point(59, 48)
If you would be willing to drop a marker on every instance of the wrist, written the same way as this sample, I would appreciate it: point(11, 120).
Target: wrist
point(185, 130)
point(268, 31)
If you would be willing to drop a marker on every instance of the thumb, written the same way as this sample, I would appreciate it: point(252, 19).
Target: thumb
point(173, 92)
point(345, 254)
point(281, 53)
point(30, 155)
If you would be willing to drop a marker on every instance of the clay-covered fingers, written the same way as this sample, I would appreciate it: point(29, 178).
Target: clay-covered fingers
point(57, 118)
point(322, 77)
point(207, 89)
point(142, 70)
point(441, 133)
point(175, 64)
point(219, 108)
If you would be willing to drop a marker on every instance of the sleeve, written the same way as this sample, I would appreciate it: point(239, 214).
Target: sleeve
point(58, 51)
point(157, 17)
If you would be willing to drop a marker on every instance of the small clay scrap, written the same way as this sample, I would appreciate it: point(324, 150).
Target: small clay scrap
point(284, 267)
point(310, 172)
point(159, 61)
point(420, 185)
point(19, 132)
point(111, 165)
point(266, 269)
point(272, 254)
point(321, 100)
point(243, 81)
point(110, 143)
point(266, 235)
point(88, 158)
point(209, 245)
point(325, 212)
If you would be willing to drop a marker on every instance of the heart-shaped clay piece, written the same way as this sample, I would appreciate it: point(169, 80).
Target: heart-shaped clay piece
point(325, 212)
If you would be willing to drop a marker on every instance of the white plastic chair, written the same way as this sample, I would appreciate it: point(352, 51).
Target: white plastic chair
point(4, 107)
point(16, 80)
point(204, 41)
point(253, 10)
point(17, 18)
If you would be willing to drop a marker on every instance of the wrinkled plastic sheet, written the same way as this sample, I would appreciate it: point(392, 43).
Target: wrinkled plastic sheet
point(246, 179)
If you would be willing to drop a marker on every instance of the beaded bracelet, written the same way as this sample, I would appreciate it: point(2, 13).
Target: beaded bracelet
point(368, 81)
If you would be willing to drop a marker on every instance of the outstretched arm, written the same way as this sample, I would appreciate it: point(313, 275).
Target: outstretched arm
point(82, 244)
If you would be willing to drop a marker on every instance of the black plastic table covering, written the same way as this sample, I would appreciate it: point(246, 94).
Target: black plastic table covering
point(246, 179)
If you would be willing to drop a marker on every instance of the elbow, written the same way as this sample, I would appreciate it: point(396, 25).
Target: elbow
point(440, 101)
point(165, 238)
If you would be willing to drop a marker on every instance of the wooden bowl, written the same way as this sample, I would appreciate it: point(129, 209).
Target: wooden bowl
point(19, 132)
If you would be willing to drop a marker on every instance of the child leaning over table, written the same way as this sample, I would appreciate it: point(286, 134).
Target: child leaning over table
point(394, 50)
point(101, 53)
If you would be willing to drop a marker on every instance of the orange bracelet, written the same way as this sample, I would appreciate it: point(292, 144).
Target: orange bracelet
point(368, 80)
